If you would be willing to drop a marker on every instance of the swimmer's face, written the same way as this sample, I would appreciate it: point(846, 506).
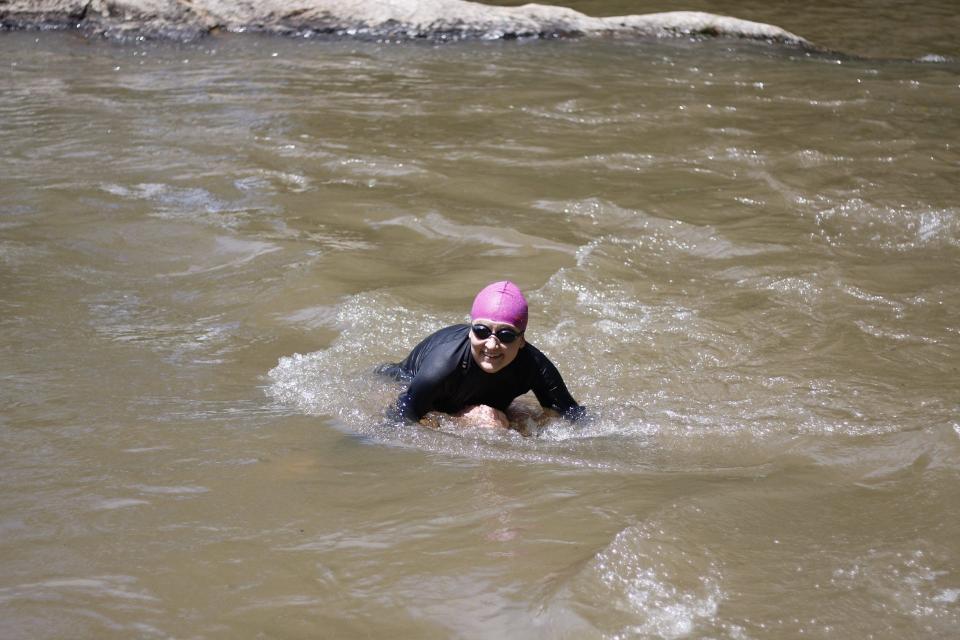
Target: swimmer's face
point(492, 355)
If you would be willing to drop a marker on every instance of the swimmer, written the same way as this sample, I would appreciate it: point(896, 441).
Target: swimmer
point(473, 372)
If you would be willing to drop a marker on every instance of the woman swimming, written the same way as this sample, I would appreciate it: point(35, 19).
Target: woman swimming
point(475, 371)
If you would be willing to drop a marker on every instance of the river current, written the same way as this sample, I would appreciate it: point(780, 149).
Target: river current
point(744, 260)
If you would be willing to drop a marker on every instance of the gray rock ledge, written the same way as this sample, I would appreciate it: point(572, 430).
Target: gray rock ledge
point(435, 20)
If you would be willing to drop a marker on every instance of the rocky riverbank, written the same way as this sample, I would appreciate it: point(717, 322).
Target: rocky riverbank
point(437, 20)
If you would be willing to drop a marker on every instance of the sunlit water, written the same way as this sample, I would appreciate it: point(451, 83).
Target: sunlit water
point(744, 260)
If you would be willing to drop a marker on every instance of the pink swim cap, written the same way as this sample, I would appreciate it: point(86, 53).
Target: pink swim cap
point(501, 302)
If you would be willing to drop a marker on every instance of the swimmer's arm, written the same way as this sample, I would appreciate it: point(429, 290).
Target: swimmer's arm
point(415, 403)
point(552, 393)
point(568, 410)
point(410, 408)
point(553, 396)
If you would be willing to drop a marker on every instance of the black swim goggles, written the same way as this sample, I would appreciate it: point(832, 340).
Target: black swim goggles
point(504, 335)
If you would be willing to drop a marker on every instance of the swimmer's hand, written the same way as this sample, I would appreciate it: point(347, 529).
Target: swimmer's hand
point(528, 420)
point(482, 415)
point(474, 416)
point(431, 420)
point(536, 416)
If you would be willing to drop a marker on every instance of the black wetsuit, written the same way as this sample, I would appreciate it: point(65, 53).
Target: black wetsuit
point(444, 377)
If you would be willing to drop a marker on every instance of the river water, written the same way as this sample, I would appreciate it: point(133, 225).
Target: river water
point(744, 260)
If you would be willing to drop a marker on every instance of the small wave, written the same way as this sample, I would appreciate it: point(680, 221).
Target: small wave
point(650, 234)
point(934, 58)
point(648, 584)
point(177, 491)
point(125, 317)
point(912, 583)
point(376, 167)
point(192, 204)
point(112, 586)
point(857, 222)
point(224, 246)
point(507, 240)
point(118, 503)
point(896, 336)
point(286, 181)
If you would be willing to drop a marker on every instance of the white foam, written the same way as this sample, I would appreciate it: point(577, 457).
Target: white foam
point(933, 57)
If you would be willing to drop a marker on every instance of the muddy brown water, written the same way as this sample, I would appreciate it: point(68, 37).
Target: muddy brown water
point(744, 260)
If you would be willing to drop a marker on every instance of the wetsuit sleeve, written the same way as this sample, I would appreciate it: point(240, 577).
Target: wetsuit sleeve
point(550, 389)
point(428, 382)
point(415, 402)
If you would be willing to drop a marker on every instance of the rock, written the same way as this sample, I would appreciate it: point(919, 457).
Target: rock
point(41, 14)
point(385, 19)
